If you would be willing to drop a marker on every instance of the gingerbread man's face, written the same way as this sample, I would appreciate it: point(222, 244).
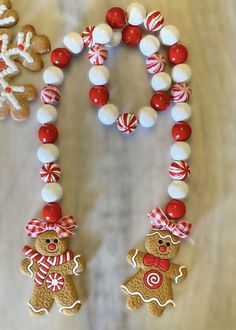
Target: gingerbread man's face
point(49, 244)
point(161, 243)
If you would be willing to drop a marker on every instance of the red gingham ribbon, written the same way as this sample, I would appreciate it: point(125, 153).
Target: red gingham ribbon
point(160, 221)
point(63, 227)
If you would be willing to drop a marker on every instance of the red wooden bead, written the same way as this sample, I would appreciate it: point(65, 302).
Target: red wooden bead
point(116, 18)
point(60, 57)
point(175, 209)
point(132, 35)
point(161, 101)
point(48, 133)
point(178, 54)
point(52, 212)
point(99, 95)
point(181, 131)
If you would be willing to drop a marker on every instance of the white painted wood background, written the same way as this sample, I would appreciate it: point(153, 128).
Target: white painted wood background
point(111, 182)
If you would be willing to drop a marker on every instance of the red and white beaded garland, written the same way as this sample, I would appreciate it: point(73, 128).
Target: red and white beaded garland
point(171, 91)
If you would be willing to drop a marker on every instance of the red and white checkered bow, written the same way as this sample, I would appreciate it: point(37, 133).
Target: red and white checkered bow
point(63, 227)
point(160, 221)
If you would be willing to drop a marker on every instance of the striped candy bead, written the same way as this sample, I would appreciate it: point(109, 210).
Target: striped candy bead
point(127, 123)
point(87, 36)
point(50, 95)
point(181, 92)
point(154, 21)
point(179, 170)
point(54, 282)
point(50, 172)
point(156, 63)
point(97, 55)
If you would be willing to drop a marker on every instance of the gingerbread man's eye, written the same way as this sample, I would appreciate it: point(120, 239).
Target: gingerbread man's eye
point(168, 244)
point(55, 240)
point(160, 241)
point(47, 240)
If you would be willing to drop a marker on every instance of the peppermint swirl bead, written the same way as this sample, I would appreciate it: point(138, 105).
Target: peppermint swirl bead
point(87, 36)
point(50, 172)
point(179, 170)
point(127, 123)
point(156, 63)
point(50, 95)
point(181, 92)
point(97, 55)
point(154, 21)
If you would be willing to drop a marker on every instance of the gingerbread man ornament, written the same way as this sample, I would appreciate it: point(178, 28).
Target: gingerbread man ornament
point(52, 265)
point(152, 283)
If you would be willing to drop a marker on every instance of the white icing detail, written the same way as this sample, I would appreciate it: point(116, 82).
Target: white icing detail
point(6, 20)
point(133, 259)
point(180, 274)
point(71, 306)
point(10, 96)
point(157, 233)
point(29, 267)
point(147, 300)
point(76, 265)
point(38, 310)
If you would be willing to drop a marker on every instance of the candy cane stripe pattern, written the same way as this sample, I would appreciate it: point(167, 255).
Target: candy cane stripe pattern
point(179, 170)
point(97, 55)
point(127, 123)
point(50, 94)
point(181, 92)
point(54, 282)
point(87, 36)
point(156, 63)
point(154, 21)
point(50, 172)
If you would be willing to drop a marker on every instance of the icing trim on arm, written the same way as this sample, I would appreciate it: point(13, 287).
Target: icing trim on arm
point(76, 265)
point(30, 266)
point(134, 264)
point(180, 274)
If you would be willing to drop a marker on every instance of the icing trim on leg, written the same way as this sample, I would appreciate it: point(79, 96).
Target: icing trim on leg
point(77, 302)
point(180, 274)
point(147, 300)
point(29, 267)
point(37, 310)
point(76, 265)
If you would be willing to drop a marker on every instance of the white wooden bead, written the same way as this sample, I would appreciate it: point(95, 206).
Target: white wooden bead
point(53, 76)
point(169, 35)
point(178, 190)
point(108, 114)
point(181, 73)
point(180, 151)
point(46, 114)
point(116, 39)
point(99, 75)
point(52, 192)
point(73, 42)
point(48, 153)
point(181, 112)
point(147, 116)
point(102, 34)
point(136, 13)
point(149, 45)
point(161, 81)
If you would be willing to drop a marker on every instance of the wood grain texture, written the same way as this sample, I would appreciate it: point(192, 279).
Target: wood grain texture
point(110, 182)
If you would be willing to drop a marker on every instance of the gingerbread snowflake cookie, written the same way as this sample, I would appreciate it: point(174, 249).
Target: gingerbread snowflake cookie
point(52, 265)
point(27, 49)
point(8, 16)
point(152, 283)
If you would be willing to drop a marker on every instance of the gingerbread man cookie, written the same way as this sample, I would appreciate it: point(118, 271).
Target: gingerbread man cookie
point(152, 283)
point(52, 265)
point(26, 49)
point(8, 16)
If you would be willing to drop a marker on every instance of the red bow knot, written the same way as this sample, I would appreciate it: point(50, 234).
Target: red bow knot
point(160, 221)
point(64, 227)
point(150, 260)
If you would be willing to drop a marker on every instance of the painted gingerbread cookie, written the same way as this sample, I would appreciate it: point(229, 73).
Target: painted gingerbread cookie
point(8, 16)
point(152, 283)
point(52, 265)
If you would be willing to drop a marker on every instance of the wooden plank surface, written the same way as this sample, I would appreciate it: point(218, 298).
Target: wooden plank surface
point(110, 182)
